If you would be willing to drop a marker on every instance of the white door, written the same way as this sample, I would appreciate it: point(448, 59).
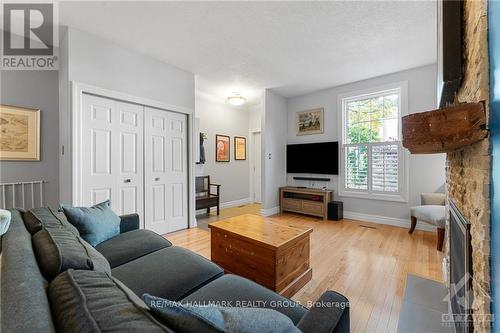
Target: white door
point(165, 170)
point(256, 177)
point(112, 154)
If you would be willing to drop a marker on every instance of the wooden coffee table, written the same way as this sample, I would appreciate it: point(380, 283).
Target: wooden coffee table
point(271, 254)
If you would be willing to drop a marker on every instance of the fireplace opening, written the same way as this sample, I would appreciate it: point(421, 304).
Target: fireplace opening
point(460, 271)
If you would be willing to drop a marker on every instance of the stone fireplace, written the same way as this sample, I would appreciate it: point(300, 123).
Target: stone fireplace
point(468, 169)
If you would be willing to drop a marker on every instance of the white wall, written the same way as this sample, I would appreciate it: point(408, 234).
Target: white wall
point(427, 172)
point(274, 140)
point(217, 117)
point(255, 116)
point(101, 63)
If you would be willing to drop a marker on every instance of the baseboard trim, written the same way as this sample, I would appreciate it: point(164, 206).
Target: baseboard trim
point(386, 220)
point(229, 204)
point(236, 203)
point(270, 211)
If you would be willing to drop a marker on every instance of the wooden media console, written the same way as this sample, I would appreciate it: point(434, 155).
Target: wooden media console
point(305, 201)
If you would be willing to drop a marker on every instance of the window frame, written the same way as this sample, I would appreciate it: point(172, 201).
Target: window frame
point(403, 157)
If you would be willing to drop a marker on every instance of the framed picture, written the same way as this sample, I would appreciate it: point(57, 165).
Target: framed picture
point(240, 148)
point(310, 122)
point(222, 145)
point(19, 133)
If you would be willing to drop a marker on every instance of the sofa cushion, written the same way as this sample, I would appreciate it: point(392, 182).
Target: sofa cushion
point(59, 249)
point(330, 313)
point(171, 273)
point(233, 290)
point(45, 217)
point(193, 318)
point(96, 224)
point(87, 301)
point(131, 245)
point(24, 305)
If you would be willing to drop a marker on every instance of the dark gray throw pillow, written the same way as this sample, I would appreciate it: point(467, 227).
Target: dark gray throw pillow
point(59, 249)
point(215, 319)
point(95, 224)
point(88, 301)
point(45, 217)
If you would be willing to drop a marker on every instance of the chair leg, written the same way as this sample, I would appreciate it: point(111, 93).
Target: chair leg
point(413, 224)
point(218, 208)
point(208, 211)
point(440, 239)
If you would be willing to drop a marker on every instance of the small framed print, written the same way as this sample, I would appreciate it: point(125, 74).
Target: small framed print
point(19, 133)
point(310, 122)
point(240, 148)
point(222, 148)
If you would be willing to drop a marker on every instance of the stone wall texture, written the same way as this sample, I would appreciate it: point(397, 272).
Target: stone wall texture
point(468, 169)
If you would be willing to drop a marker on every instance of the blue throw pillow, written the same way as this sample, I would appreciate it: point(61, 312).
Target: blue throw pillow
point(95, 224)
point(193, 318)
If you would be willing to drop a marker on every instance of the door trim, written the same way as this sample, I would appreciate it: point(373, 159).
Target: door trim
point(77, 91)
point(251, 133)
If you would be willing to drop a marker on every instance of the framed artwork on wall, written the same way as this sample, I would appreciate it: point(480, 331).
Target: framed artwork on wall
point(310, 121)
point(19, 133)
point(222, 148)
point(240, 148)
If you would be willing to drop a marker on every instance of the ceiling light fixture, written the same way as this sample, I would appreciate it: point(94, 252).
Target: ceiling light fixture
point(236, 99)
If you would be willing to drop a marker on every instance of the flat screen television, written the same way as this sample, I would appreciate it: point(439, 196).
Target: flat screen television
point(317, 158)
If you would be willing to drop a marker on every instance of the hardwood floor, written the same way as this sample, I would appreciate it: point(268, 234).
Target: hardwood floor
point(366, 262)
point(205, 219)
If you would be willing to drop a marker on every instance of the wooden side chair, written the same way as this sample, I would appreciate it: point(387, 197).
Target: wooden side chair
point(205, 198)
point(433, 211)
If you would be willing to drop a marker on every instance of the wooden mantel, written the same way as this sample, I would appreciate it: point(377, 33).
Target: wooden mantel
point(445, 129)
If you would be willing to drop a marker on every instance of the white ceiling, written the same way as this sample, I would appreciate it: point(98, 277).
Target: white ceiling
point(292, 47)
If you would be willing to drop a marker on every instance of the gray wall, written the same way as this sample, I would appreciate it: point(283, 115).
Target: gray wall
point(89, 59)
point(217, 117)
point(35, 89)
point(427, 172)
point(274, 140)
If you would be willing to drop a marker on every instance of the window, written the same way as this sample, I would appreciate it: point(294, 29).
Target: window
point(373, 159)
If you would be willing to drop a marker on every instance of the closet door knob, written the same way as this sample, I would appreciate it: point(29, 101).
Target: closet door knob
point(157, 179)
point(127, 180)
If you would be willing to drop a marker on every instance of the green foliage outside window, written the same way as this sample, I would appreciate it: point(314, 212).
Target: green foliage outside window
point(357, 160)
point(366, 120)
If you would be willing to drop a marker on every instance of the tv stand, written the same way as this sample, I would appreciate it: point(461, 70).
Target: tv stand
point(309, 201)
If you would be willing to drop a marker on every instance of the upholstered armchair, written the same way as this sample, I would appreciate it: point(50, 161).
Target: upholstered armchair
point(432, 211)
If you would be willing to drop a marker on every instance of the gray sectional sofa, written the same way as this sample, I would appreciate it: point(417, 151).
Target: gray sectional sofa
point(52, 280)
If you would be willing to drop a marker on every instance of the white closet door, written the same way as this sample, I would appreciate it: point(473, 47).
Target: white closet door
point(165, 170)
point(130, 158)
point(112, 159)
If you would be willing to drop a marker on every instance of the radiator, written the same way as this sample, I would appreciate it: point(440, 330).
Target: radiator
point(25, 195)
